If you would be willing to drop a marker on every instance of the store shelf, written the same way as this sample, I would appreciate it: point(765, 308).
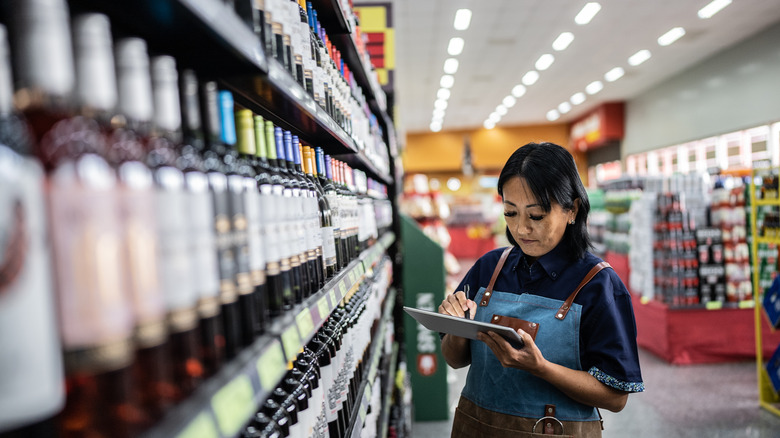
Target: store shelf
point(360, 411)
point(224, 404)
point(331, 16)
point(208, 36)
point(384, 418)
point(361, 161)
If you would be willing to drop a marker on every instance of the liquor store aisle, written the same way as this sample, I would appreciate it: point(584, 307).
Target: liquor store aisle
point(713, 400)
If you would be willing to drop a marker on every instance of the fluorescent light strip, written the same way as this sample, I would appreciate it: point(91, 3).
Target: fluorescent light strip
point(440, 104)
point(519, 90)
point(501, 110)
point(462, 19)
point(594, 87)
point(671, 36)
point(451, 66)
point(438, 113)
point(494, 117)
point(614, 74)
point(587, 13)
point(489, 124)
point(639, 57)
point(544, 62)
point(435, 127)
point(713, 8)
point(455, 47)
point(443, 93)
point(577, 98)
point(563, 41)
point(553, 115)
point(447, 81)
point(531, 77)
point(564, 107)
point(509, 101)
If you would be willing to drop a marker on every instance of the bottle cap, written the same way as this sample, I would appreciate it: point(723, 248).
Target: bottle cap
point(135, 84)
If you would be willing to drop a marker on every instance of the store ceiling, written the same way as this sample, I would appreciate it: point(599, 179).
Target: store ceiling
point(506, 37)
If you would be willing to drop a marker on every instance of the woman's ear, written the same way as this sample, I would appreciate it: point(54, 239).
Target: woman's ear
point(575, 208)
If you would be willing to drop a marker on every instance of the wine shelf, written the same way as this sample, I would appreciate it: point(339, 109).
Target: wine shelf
point(208, 36)
point(225, 403)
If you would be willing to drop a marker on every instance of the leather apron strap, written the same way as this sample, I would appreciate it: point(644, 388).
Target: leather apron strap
point(567, 304)
point(489, 291)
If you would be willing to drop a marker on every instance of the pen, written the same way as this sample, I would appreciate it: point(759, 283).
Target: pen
point(466, 291)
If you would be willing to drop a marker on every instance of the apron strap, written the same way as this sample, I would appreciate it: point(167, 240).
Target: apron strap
point(567, 304)
point(489, 291)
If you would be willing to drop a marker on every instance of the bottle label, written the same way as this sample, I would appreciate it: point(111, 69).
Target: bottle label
point(223, 237)
point(95, 308)
point(252, 202)
point(32, 387)
point(328, 246)
point(203, 251)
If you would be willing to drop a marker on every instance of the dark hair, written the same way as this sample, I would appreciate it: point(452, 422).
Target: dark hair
point(551, 175)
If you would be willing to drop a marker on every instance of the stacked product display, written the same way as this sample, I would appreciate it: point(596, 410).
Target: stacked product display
point(183, 253)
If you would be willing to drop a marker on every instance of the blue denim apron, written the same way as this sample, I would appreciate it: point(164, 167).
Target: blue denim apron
point(515, 392)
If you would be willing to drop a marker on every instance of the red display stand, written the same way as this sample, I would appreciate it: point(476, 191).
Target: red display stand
point(470, 242)
point(690, 336)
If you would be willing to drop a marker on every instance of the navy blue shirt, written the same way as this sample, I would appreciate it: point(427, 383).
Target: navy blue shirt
point(608, 348)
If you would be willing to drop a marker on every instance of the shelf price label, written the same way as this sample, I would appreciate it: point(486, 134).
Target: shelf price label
point(201, 427)
point(233, 405)
point(713, 305)
point(271, 366)
point(746, 304)
point(305, 324)
point(333, 299)
point(323, 307)
point(342, 288)
point(291, 342)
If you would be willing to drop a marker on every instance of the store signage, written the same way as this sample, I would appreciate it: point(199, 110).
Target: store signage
point(599, 127)
point(376, 22)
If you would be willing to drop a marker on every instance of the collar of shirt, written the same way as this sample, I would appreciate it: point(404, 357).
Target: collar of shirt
point(550, 264)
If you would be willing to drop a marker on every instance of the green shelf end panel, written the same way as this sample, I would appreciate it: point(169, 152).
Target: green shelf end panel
point(423, 278)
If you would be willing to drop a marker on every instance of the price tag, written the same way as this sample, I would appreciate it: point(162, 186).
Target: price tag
point(342, 289)
point(233, 405)
point(352, 278)
point(713, 305)
point(323, 307)
point(201, 427)
point(271, 366)
point(746, 304)
point(291, 342)
point(333, 299)
point(305, 323)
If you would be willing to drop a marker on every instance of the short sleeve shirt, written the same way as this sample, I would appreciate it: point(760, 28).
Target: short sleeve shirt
point(608, 348)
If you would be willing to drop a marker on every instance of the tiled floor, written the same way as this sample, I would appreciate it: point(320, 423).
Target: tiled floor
point(680, 401)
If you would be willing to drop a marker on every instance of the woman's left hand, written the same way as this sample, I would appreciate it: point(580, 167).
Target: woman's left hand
point(528, 358)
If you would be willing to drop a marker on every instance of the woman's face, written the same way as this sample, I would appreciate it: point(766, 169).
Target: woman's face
point(536, 231)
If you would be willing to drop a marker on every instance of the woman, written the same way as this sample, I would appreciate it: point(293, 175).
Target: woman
point(571, 310)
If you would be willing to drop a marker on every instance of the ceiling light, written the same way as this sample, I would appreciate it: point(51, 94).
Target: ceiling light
point(531, 77)
point(450, 66)
point(435, 127)
point(564, 107)
point(587, 13)
point(563, 41)
point(489, 124)
point(577, 98)
point(440, 104)
point(671, 36)
point(594, 87)
point(713, 8)
point(455, 46)
point(438, 113)
point(443, 93)
point(447, 81)
point(553, 115)
point(462, 19)
point(544, 62)
point(614, 74)
point(639, 57)
point(501, 110)
point(494, 117)
point(436, 121)
point(509, 101)
point(519, 90)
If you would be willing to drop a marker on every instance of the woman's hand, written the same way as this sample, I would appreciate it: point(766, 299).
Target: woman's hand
point(528, 358)
point(454, 348)
point(458, 304)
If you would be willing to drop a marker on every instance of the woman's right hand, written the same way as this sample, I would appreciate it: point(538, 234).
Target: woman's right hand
point(458, 304)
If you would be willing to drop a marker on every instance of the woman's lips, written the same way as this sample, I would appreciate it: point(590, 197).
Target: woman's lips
point(527, 242)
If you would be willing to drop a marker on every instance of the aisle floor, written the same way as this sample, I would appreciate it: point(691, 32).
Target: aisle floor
point(718, 400)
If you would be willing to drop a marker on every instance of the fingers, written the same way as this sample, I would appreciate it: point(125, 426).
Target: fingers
point(472, 309)
point(456, 305)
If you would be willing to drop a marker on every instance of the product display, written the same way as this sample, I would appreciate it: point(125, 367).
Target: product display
point(170, 244)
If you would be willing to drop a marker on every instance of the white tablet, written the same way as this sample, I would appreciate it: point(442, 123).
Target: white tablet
point(463, 327)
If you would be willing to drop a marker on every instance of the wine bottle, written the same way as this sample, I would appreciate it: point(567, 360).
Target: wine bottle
point(290, 217)
point(202, 242)
point(311, 228)
point(95, 312)
point(332, 195)
point(283, 194)
point(151, 369)
point(245, 126)
point(32, 378)
point(218, 167)
point(324, 215)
